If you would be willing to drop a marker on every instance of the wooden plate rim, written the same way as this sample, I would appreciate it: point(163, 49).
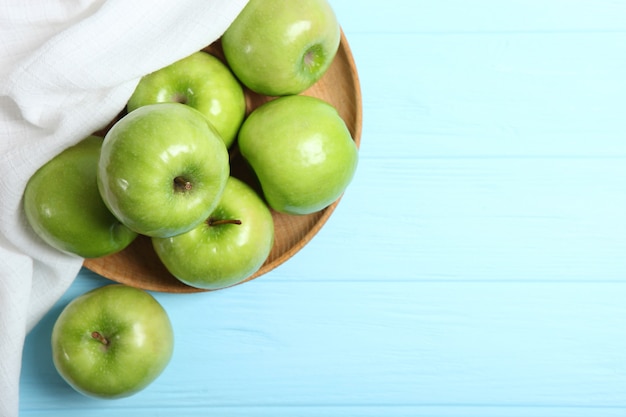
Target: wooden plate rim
point(98, 268)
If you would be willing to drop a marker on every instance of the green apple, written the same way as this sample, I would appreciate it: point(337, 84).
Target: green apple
point(201, 81)
point(64, 208)
point(162, 169)
point(112, 342)
point(281, 47)
point(231, 245)
point(301, 151)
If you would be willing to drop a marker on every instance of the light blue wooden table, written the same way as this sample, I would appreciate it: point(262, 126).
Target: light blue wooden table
point(475, 267)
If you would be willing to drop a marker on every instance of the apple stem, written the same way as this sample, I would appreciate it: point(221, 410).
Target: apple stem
point(217, 222)
point(182, 184)
point(100, 338)
point(179, 98)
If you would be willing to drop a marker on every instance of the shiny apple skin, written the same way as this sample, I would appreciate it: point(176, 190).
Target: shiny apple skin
point(64, 208)
point(217, 256)
point(282, 47)
point(200, 81)
point(301, 151)
point(139, 335)
point(142, 156)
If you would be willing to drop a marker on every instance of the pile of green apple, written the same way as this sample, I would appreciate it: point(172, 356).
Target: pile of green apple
point(163, 171)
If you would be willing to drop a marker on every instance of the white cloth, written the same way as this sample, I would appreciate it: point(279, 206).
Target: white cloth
point(67, 67)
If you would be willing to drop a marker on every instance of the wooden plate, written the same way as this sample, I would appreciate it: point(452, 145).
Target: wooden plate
point(139, 266)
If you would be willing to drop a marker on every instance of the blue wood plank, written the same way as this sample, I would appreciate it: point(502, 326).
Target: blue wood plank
point(343, 347)
point(473, 219)
point(494, 95)
point(481, 16)
point(473, 268)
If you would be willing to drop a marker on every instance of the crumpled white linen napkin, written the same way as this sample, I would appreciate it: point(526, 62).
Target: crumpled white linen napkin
point(67, 67)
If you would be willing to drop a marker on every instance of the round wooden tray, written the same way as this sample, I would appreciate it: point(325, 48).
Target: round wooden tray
point(139, 266)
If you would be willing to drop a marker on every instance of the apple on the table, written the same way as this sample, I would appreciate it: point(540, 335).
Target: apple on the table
point(112, 342)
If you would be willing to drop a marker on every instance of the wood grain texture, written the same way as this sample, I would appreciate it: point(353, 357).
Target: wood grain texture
point(345, 348)
point(475, 266)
